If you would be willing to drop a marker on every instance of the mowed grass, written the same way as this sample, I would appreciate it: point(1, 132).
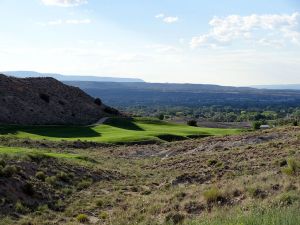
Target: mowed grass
point(115, 130)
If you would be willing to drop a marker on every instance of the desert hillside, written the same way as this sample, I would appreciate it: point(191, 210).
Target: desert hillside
point(44, 101)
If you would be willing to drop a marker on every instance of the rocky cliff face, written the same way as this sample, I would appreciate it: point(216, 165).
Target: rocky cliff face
point(46, 101)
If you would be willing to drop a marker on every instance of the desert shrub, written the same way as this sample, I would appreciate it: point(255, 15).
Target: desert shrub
point(288, 198)
point(2, 163)
point(28, 189)
point(82, 218)
point(282, 162)
point(103, 215)
point(175, 218)
point(192, 123)
point(20, 208)
point(100, 203)
point(9, 170)
point(295, 123)
point(256, 125)
point(256, 192)
point(45, 97)
point(213, 195)
point(84, 184)
point(161, 116)
point(40, 175)
point(212, 162)
point(98, 101)
point(63, 176)
point(67, 191)
point(51, 180)
point(292, 167)
point(37, 157)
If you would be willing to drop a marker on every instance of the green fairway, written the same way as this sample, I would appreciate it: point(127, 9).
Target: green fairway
point(115, 130)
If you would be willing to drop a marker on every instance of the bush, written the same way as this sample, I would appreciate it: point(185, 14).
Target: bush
point(256, 125)
point(161, 116)
point(212, 162)
point(84, 184)
point(213, 195)
point(28, 189)
point(20, 208)
point(292, 167)
point(51, 180)
point(2, 163)
point(40, 175)
point(82, 218)
point(103, 215)
point(175, 218)
point(98, 101)
point(9, 171)
point(192, 123)
point(63, 176)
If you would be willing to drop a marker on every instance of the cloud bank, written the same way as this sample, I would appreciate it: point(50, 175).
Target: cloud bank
point(272, 28)
point(64, 3)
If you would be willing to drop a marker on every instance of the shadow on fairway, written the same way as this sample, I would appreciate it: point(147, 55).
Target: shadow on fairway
point(52, 131)
point(123, 123)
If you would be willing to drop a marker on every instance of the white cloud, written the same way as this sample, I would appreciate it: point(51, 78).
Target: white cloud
point(170, 19)
point(161, 15)
point(61, 22)
point(84, 21)
point(64, 3)
point(235, 27)
point(167, 19)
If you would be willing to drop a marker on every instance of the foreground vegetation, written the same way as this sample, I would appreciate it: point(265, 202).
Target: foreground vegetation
point(244, 179)
point(115, 130)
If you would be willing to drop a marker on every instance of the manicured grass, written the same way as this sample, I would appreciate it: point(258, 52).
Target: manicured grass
point(115, 130)
point(26, 151)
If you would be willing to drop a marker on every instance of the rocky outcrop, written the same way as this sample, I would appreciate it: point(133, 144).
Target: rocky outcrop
point(46, 101)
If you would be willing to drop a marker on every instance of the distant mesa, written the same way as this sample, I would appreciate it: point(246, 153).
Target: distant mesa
point(60, 77)
point(47, 101)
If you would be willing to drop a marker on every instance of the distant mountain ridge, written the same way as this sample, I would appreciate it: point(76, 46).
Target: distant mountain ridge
point(279, 86)
point(60, 77)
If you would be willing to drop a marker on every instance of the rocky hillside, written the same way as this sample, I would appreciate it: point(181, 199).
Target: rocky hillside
point(46, 101)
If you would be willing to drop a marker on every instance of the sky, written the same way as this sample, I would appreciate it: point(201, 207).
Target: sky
point(228, 42)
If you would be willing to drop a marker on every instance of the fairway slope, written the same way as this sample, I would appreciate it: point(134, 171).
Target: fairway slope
point(115, 131)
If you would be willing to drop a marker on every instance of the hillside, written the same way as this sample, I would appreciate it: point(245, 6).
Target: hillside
point(60, 77)
point(46, 101)
point(249, 178)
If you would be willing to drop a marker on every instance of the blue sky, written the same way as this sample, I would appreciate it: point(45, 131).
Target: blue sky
point(231, 42)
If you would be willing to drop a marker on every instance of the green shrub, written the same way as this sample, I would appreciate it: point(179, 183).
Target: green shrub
point(292, 167)
point(175, 218)
point(20, 208)
point(84, 184)
point(40, 175)
point(288, 198)
point(28, 189)
point(192, 123)
point(9, 170)
point(103, 215)
point(51, 180)
point(213, 195)
point(63, 176)
point(212, 162)
point(2, 163)
point(256, 125)
point(82, 218)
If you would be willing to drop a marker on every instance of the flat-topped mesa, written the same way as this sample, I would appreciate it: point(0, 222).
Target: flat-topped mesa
point(46, 101)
